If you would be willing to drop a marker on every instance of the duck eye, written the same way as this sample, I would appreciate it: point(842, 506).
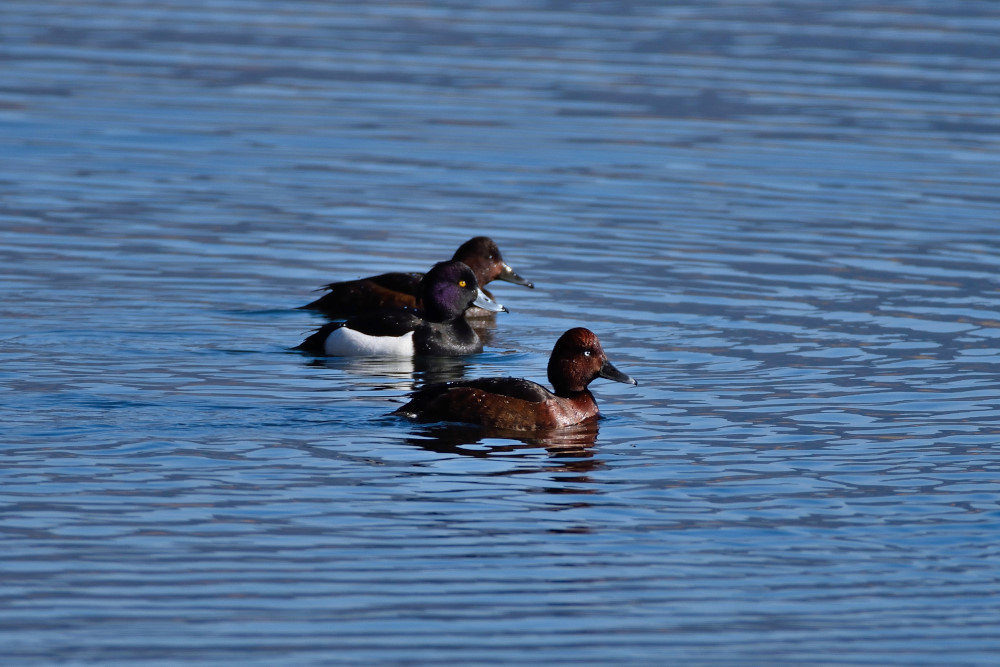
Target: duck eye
point(461, 283)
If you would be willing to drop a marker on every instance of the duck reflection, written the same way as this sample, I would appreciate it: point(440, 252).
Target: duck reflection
point(570, 449)
point(429, 370)
point(399, 373)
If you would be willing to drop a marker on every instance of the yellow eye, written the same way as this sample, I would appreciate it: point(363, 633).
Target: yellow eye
point(461, 283)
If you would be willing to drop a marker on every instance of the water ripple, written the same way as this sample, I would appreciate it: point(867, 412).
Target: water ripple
point(779, 217)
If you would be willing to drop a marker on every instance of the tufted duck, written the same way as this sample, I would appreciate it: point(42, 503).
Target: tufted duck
point(447, 291)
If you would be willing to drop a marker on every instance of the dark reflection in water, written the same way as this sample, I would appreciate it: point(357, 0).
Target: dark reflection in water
point(471, 440)
point(569, 459)
point(400, 372)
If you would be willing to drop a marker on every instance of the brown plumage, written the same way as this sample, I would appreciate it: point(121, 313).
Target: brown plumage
point(515, 404)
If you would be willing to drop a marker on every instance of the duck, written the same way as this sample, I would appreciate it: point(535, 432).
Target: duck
point(515, 404)
point(448, 290)
point(398, 290)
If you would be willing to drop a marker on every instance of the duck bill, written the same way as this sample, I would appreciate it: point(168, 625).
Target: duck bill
point(611, 373)
point(507, 274)
point(486, 303)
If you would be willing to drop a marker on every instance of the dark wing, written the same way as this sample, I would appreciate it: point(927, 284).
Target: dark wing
point(387, 323)
point(523, 390)
point(495, 402)
point(367, 295)
point(396, 322)
point(407, 283)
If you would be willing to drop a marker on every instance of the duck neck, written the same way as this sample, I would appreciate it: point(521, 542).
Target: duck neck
point(463, 330)
point(578, 405)
point(583, 397)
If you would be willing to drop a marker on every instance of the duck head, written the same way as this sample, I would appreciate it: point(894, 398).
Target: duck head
point(451, 288)
point(483, 256)
point(577, 360)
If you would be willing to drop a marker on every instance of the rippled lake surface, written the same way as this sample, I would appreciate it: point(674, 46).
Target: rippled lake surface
point(782, 218)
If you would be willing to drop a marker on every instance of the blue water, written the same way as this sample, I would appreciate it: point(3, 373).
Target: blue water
point(781, 218)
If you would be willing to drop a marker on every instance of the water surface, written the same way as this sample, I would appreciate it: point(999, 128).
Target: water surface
point(780, 217)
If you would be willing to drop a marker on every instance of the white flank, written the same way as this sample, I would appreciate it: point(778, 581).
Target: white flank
point(344, 342)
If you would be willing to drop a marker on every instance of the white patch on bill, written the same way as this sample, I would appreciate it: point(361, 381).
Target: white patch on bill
point(344, 342)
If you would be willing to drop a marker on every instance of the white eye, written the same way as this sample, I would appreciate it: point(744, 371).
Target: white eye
point(586, 353)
